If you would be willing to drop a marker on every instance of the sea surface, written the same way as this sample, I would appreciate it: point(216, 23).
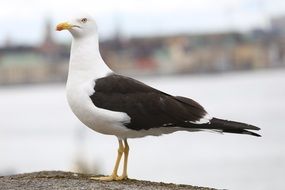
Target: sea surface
point(38, 131)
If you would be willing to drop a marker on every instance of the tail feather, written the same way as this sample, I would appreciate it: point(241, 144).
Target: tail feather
point(242, 131)
point(231, 127)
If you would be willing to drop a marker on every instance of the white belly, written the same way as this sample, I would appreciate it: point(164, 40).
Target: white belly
point(98, 119)
point(102, 120)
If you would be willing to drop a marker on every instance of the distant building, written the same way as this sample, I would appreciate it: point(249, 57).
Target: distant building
point(277, 41)
point(278, 25)
point(32, 64)
point(184, 53)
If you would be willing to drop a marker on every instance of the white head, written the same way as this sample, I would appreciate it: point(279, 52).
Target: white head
point(79, 27)
point(85, 57)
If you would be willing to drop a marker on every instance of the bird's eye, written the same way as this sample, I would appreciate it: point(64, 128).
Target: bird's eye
point(84, 20)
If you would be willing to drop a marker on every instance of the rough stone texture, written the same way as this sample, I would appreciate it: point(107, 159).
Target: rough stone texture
point(58, 180)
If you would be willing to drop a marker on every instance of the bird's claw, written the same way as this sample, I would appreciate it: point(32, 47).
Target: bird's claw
point(110, 178)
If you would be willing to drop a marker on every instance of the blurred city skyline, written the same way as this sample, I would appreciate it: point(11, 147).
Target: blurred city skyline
point(229, 55)
point(136, 18)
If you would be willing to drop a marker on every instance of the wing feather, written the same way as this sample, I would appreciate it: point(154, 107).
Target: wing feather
point(146, 106)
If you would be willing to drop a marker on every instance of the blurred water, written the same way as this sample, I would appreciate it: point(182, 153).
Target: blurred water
point(39, 132)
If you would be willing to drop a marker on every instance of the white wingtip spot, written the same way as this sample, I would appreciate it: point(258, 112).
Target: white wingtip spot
point(203, 120)
point(167, 124)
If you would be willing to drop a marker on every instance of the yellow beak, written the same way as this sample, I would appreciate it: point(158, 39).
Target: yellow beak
point(63, 26)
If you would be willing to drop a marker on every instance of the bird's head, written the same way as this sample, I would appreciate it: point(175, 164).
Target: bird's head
point(79, 27)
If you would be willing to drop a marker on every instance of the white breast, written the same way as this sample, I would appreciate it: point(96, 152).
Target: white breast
point(98, 119)
point(86, 65)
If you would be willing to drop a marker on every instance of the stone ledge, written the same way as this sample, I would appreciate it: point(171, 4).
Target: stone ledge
point(58, 180)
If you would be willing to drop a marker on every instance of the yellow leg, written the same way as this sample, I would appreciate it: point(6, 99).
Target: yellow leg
point(120, 153)
point(125, 168)
point(114, 175)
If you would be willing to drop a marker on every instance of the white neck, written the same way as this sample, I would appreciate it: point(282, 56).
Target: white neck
point(86, 62)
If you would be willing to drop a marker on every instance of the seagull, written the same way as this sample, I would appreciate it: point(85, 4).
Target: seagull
point(113, 104)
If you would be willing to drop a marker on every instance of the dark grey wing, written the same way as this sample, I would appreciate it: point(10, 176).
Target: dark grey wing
point(147, 107)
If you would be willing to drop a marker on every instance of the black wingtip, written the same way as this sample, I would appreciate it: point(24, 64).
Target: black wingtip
point(252, 127)
point(251, 133)
point(234, 127)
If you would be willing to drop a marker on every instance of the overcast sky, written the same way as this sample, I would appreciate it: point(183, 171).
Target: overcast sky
point(23, 21)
